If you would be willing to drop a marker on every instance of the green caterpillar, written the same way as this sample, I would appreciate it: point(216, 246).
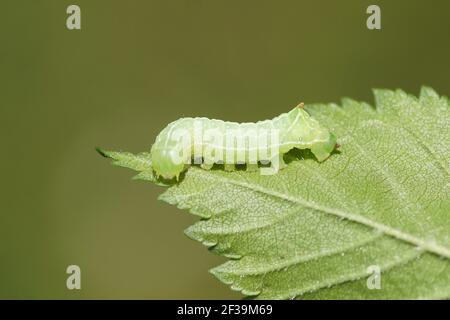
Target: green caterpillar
point(210, 141)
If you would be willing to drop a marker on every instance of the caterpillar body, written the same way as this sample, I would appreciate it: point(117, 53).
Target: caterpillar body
point(210, 141)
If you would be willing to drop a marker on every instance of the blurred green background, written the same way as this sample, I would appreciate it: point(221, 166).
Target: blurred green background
point(134, 67)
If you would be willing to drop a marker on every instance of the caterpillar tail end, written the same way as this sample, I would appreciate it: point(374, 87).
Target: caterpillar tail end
point(323, 150)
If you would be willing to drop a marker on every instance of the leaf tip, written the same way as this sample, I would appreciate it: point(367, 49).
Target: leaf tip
point(102, 152)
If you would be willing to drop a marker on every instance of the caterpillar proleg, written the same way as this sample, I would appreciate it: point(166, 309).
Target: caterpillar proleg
point(210, 141)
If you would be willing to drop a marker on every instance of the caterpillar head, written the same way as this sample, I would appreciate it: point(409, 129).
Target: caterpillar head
point(166, 163)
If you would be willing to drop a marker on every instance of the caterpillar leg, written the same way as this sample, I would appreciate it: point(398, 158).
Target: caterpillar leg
point(323, 150)
point(229, 167)
point(252, 167)
point(276, 164)
point(281, 163)
point(206, 166)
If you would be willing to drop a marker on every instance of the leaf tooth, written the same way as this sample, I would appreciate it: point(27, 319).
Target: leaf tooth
point(427, 92)
point(192, 234)
point(349, 103)
point(233, 284)
point(383, 98)
point(183, 205)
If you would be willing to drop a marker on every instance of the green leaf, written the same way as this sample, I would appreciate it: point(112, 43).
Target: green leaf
point(312, 230)
point(139, 162)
